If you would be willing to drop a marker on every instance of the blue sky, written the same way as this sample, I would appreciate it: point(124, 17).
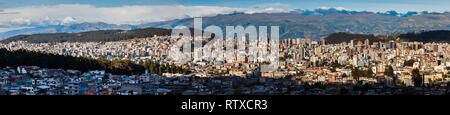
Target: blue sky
point(17, 14)
point(369, 5)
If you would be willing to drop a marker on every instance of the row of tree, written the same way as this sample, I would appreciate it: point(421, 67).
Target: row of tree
point(91, 36)
point(424, 36)
point(428, 36)
point(47, 60)
point(158, 68)
point(357, 73)
point(96, 36)
point(340, 37)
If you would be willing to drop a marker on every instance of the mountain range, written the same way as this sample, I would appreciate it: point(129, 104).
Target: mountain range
point(74, 28)
point(309, 24)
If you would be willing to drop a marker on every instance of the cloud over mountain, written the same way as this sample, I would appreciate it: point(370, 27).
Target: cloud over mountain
point(72, 18)
point(33, 16)
point(336, 8)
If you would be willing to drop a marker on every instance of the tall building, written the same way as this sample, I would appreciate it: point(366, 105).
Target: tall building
point(416, 45)
point(301, 52)
point(435, 48)
point(392, 44)
point(367, 43)
point(323, 42)
point(351, 44)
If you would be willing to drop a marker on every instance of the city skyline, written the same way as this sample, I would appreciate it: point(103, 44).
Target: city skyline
point(355, 67)
point(159, 56)
point(262, 50)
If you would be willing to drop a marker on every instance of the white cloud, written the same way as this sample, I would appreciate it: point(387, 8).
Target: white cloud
point(77, 13)
point(269, 5)
point(68, 20)
point(337, 8)
point(269, 10)
point(21, 21)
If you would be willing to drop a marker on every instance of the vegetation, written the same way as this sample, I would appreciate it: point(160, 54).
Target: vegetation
point(158, 68)
point(409, 62)
point(428, 36)
point(424, 36)
point(47, 60)
point(417, 78)
point(292, 25)
point(91, 36)
point(357, 73)
point(340, 37)
point(389, 71)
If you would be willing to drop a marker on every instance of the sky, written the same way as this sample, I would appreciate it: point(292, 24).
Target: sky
point(17, 14)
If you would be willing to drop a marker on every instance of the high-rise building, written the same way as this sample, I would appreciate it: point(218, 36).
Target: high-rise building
point(367, 43)
point(351, 44)
point(435, 48)
point(301, 52)
point(323, 42)
point(392, 44)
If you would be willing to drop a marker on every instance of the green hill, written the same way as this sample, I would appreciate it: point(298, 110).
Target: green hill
point(427, 36)
point(424, 36)
point(118, 67)
point(318, 27)
point(91, 36)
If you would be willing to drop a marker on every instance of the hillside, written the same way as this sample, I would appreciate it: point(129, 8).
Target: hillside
point(428, 36)
point(424, 36)
point(91, 36)
point(315, 24)
point(317, 27)
point(74, 28)
point(47, 60)
point(340, 37)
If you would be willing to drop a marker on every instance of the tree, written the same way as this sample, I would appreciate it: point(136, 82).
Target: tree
point(46, 60)
point(409, 62)
point(389, 71)
point(91, 36)
point(417, 79)
point(356, 73)
point(368, 73)
point(344, 75)
point(105, 78)
point(157, 68)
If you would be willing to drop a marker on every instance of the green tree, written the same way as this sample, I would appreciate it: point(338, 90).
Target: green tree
point(416, 77)
point(105, 78)
point(409, 62)
point(356, 73)
point(389, 71)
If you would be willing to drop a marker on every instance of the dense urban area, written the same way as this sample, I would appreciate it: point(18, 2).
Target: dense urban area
point(306, 67)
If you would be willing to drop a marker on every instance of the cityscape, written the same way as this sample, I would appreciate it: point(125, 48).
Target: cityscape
point(306, 68)
point(269, 48)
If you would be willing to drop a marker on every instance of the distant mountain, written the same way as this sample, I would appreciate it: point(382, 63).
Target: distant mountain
point(94, 36)
point(316, 27)
point(74, 28)
point(325, 11)
point(311, 24)
point(91, 36)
